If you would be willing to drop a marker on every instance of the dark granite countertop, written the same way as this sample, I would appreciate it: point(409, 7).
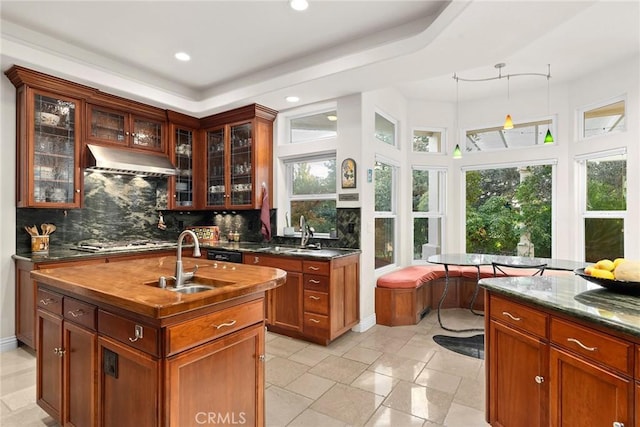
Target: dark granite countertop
point(575, 297)
point(66, 253)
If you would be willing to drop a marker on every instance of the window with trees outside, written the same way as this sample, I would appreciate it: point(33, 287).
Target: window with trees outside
point(312, 193)
point(428, 190)
point(604, 205)
point(508, 210)
point(428, 140)
point(603, 118)
point(385, 214)
point(497, 138)
point(385, 129)
point(313, 127)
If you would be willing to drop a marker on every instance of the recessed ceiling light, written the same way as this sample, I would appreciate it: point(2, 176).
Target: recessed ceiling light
point(299, 4)
point(332, 118)
point(182, 56)
point(292, 99)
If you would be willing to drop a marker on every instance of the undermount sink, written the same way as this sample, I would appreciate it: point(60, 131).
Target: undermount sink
point(192, 286)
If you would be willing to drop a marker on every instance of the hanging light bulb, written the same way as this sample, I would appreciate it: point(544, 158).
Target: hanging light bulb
point(548, 139)
point(508, 123)
point(457, 152)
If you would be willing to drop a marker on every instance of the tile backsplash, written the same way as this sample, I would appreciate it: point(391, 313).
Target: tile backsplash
point(125, 207)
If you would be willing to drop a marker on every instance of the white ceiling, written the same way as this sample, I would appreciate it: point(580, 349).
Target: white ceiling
point(261, 51)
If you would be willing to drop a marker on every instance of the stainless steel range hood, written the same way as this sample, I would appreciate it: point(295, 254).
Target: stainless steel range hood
point(123, 161)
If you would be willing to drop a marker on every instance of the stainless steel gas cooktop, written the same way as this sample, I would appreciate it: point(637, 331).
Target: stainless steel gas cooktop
point(121, 246)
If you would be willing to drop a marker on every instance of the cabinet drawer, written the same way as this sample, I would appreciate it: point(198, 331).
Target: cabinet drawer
point(50, 301)
point(80, 312)
point(316, 267)
point(612, 352)
point(210, 326)
point(315, 322)
point(281, 262)
point(128, 331)
point(316, 283)
point(519, 316)
point(316, 302)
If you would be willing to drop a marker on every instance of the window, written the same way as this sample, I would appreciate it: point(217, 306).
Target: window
point(385, 214)
point(428, 140)
point(385, 130)
point(427, 211)
point(314, 127)
point(604, 204)
point(603, 118)
point(508, 210)
point(496, 138)
point(312, 193)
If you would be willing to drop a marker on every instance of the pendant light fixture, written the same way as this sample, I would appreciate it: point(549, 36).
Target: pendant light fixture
point(508, 123)
point(457, 152)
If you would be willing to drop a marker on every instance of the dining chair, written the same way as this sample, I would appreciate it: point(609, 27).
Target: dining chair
point(502, 270)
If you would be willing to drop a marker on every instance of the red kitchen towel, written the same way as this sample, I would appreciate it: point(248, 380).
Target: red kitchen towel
point(264, 215)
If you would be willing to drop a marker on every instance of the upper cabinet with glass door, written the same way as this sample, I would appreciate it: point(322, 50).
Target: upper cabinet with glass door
point(239, 157)
point(48, 141)
point(130, 124)
point(184, 150)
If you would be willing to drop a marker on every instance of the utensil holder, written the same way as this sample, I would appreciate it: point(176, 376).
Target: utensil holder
point(39, 244)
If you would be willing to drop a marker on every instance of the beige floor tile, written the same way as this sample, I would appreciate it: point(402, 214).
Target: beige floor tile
point(397, 367)
point(281, 371)
point(399, 332)
point(19, 399)
point(389, 417)
point(455, 364)
point(311, 386)
point(361, 354)
point(416, 352)
point(284, 346)
point(28, 416)
point(460, 415)
point(420, 401)
point(282, 406)
point(471, 394)
point(348, 404)
point(311, 418)
point(339, 369)
point(16, 360)
point(310, 355)
point(375, 383)
point(439, 380)
point(343, 344)
point(10, 383)
point(383, 343)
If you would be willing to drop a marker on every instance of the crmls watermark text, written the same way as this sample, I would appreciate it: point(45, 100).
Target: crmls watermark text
point(222, 418)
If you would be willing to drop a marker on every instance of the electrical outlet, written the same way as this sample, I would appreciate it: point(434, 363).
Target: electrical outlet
point(110, 363)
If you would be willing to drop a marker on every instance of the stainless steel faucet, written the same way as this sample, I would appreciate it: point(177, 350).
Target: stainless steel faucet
point(305, 232)
point(181, 275)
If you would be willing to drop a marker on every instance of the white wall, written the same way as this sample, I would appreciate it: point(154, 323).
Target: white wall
point(7, 213)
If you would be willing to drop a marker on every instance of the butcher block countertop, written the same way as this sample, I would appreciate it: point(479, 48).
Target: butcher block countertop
point(133, 285)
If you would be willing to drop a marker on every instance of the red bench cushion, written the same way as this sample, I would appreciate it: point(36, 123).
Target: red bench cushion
point(414, 276)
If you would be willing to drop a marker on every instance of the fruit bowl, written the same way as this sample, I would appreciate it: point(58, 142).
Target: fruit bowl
point(620, 286)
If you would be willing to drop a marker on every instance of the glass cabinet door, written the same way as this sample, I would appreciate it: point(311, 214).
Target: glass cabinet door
point(107, 125)
point(216, 190)
point(54, 150)
point(184, 164)
point(241, 164)
point(147, 134)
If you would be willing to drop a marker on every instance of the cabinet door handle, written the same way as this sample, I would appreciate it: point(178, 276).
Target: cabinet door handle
point(47, 301)
point(314, 280)
point(223, 325)
point(79, 312)
point(314, 320)
point(539, 379)
point(618, 424)
point(256, 260)
point(506, 313)
point(582, 345)
point(313, 297)
point(261, 358)
point(137, 333)
point(59, 351)
point(311, 267)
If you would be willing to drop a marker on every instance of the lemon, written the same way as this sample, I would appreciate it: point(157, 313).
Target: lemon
point(605, 264)
point(602, 274)
point(617, 262)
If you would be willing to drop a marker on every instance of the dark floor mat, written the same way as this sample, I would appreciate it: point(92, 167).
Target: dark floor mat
point(469, 346)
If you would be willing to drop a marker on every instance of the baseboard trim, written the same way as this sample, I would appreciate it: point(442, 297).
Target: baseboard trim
point(8, 343)
point(365, 324)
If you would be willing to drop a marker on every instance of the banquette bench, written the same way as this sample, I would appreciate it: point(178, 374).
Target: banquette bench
point(404, 296)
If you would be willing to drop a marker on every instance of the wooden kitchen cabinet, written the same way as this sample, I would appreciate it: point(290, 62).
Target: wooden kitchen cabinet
point(239, 157)
point(66, 363)
point(546, 370)
point(320, 300)
point(126, 127)
point(187, 188)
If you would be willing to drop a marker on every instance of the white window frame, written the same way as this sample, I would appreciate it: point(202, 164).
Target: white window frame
point(443, 141)
point(581, 170)
point(580, 117)
point(393, 214)
point(395, 129)
point(437, 214)
point(498, 127)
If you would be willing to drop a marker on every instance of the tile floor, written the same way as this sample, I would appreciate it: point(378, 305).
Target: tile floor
point(385, 376)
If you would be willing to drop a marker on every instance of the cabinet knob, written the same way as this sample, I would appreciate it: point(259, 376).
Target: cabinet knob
point(262, 358)
point(59, 351)
point(618, 424)
point(539, 379)
point(77, 190)
point(137, 334)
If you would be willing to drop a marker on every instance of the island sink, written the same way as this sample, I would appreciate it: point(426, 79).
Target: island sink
point(192, 286)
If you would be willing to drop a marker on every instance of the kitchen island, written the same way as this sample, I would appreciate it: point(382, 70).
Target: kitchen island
point(114, 349)
point(560, 351)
